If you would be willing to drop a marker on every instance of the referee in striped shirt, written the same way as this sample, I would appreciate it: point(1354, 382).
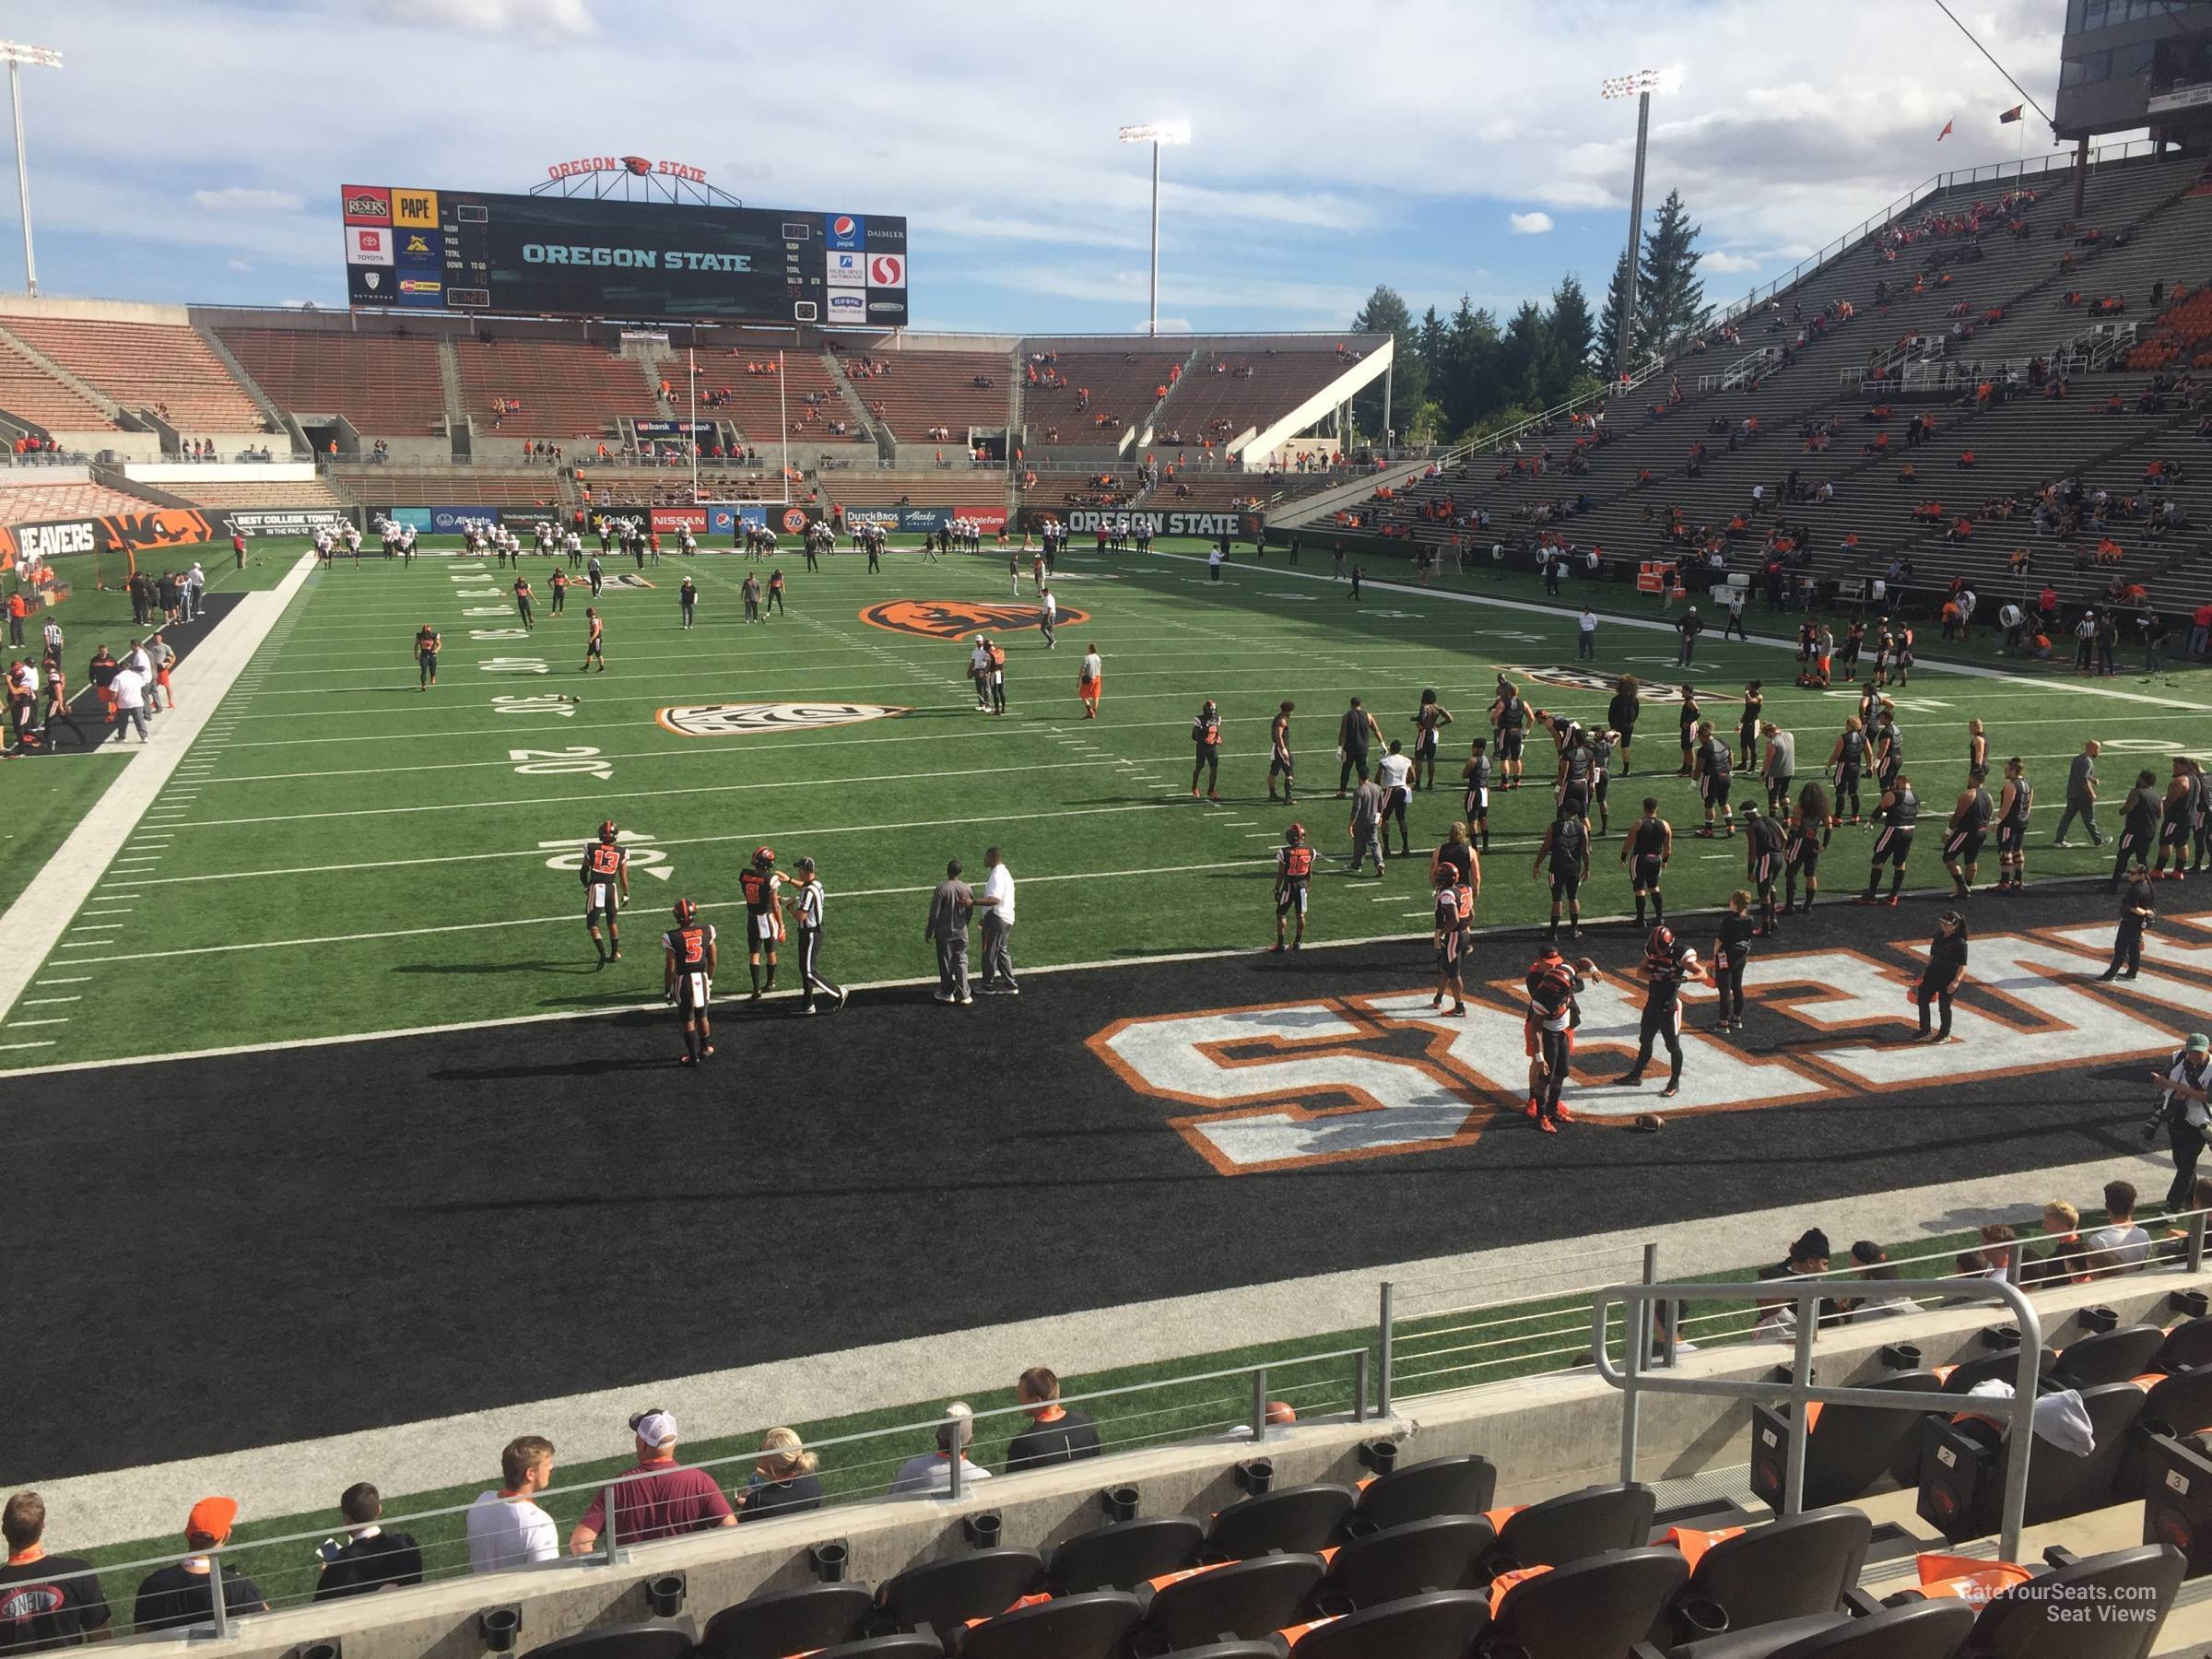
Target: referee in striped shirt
point(808, 909)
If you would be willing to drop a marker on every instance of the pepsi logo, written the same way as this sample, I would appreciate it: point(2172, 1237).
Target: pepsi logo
point(888, 270)
point(842, 224)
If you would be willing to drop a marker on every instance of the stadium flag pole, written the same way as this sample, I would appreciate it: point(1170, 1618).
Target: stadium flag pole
point(784, 422)
point(1156, 134)
point(17, 55)
point(692, 362)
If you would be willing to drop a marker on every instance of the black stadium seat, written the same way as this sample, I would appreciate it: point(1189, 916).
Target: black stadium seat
point(787, 1621)
point(946, 1595)
point(1465, 1485)
point(2187, 1346)
point(1229, 1650)
point(1595, 1608)
point(2018, 1624)
point(906, 1644)
point(1124, 1554)
point(2111, 1356)
point(1792, 1568)
point(1244, 1599)
point(2182, 1402)
point(2003, 1366)
point(1927, 1630)
point(1419, 1627)
point(1436, 1554)
point(622, 1641)
point(1851, 1448)
point(1573, 1525)
point(1094, 1626)
point(1296, 1518)
point(1962, 1474)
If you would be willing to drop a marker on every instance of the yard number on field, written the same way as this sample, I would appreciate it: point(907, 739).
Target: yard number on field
point(514, 666)
point(553, 703)
point(572, 761)
point(568, 854)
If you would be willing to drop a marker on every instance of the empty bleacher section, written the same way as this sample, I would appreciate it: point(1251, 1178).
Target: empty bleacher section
point(28, 503)
point(1971, 287)
point(1088, 398)
point(382, 384)
point(930, 396)
point(165, 370)
point(460, 486)
point(517, 389)
point(29, 393)
point(765, 392)
point(314, 492)
point(1229, 392)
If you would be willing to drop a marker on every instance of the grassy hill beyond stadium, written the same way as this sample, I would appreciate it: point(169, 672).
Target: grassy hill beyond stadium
point(362, 857)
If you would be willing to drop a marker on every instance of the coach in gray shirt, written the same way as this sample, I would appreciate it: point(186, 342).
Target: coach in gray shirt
point(2081, 796)
point(947, 926)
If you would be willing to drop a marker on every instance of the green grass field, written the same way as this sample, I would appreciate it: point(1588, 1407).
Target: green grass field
point(409, 855)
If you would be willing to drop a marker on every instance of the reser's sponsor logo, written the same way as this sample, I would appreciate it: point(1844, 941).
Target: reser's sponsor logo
point(362, 205)
point(1331, 1078)
point(746, 720)
point(952, 618)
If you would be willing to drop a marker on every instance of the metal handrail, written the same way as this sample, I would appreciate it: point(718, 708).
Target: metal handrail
point(1800, 1390)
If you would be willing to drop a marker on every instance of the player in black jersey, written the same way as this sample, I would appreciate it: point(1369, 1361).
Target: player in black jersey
point(1763, 855)
point(1453, 908)
point(1898, 813)
point(2201, 830)
point(1293, 882)
point(1576, 781)
point(1846, 765)
point(1970, 816)
point(1888, 744)
point(1508, 718)
point(1601, 777)
point(1853, 640)
point(1621, 714)
point(687, 977)
point(762, 885)
point(1690, 719)
point(1565, 854)
point(2013, 803)
point(1806, 837)
point(1748, 722)
point(426, 647)
point(606, 875)
point(1668, 965)
point(2138, 826)
point(1431, 718)
point(1477, 777)
point(1714, 772)
point(522, 599)
point(2177, 823)
point(1646, 850)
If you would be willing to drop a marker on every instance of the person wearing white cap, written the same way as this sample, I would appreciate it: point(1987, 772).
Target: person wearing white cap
point(2185, 1109)
point(978, 670)
point(655, 1498)
point(930, 1474)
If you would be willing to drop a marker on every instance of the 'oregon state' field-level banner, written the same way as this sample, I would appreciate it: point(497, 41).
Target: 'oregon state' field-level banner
point(1330, 1077)
point(746, 720)
point(108, 532)
point(952, 618)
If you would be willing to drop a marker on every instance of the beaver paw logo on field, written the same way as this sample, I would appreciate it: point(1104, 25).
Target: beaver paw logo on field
point(744, 720)
point(953, 618)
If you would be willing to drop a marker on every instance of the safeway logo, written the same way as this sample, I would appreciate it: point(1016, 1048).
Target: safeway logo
point(887, 270)
point(1320, 1080)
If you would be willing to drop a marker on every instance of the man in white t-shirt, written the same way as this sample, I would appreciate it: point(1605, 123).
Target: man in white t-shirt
point(1395, 773)
point(1585, 633)
point(930, 1474)
point(996, 904)
point(506, 1528)
point(129, 688)
point(978, 670)
point(2119, 1244)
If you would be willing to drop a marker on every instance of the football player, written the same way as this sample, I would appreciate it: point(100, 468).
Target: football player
point(1454, 906)
point(1646, 850)
point(1898, 813)
point(761, 886)
point(1553, 984)
point(1668, 964)
point(1293, 880)
point(1970, 816)
point(606, 875)
point(687, 981)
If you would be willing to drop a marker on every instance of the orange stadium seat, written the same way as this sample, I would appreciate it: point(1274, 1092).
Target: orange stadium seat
point(163, 366)
point(383, 383)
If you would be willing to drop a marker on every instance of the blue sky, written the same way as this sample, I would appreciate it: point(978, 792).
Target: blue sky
point(194, 150)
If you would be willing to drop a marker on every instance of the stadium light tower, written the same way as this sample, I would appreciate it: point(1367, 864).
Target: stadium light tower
point(1638, 85)
point(16, 55)
point(1156, 134)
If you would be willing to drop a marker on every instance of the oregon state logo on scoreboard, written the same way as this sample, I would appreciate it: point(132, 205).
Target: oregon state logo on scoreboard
point(952, 618)
point(1330, 1077)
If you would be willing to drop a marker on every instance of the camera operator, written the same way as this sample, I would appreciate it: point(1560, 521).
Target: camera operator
point(2185, 1112)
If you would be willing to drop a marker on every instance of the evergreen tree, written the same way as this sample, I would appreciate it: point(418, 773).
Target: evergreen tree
point(1569, 328)
point(1608, 321)
point(1385, 312)
point(1670, 300)
point(1470, 348)
point(1521, 353)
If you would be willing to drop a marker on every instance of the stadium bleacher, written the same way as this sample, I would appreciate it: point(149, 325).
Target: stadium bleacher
point(314, 492)
point(27, 393)
point(461, 485)
point(566, 390)
point(384, 383)
point(743, 389)
point(1227, 392)
point(932, 397)
point(28, 502)
point(1088, 398)
point(165, 369)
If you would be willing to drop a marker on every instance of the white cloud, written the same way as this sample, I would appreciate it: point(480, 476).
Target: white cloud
point(236, 198)
point(1728, 263)
point(1530, 224)
point(498, 17)
point(237, 265)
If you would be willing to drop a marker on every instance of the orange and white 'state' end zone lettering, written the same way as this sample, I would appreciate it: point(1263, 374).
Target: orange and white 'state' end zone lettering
point(1291, 1084)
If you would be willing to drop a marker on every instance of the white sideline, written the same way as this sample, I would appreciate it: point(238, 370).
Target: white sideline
point(34, 923)
point(279, 1480)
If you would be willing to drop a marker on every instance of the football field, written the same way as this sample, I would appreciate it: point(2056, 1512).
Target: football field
point(342, 853)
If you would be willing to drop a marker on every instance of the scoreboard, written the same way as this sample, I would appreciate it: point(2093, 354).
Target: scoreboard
point(530, 255)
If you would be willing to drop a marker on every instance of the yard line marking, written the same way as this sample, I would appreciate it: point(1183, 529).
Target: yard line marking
point(82, 979)
point(41, 1002)
point(44, 1043)
point(18, 1025)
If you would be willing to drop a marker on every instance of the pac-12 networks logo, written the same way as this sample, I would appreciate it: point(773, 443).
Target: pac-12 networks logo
point(952, 618)
point(745, 720)
point(1326, 1078)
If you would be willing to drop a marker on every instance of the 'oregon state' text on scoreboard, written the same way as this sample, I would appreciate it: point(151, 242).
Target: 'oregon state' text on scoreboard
point(467, 250)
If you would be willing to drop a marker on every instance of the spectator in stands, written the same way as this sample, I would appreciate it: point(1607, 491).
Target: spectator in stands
point(506, 1528)
point(46, 1601)
point(931, 1473)
point(372, 1557)
point(181, 1594)
point(654, 1497)
point(783, 1480)
point(1057, 1435)
point(2119, 1244)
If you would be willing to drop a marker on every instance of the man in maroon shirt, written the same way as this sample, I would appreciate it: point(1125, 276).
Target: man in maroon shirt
point(655, 1498)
